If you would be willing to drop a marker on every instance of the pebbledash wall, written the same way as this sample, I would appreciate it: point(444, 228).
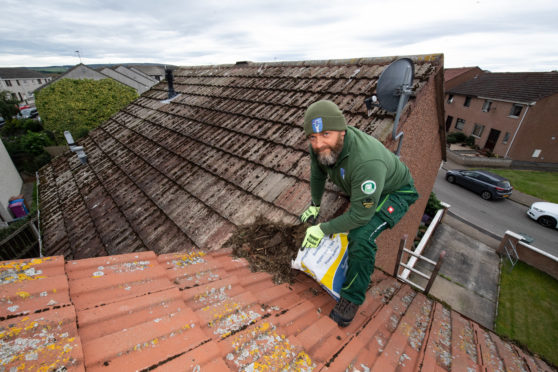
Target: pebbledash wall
point(530, 136)
point(423, 141)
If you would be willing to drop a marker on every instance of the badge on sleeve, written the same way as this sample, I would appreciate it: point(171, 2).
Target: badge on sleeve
point(368, 187)
point(390, 209)
point(368, 203)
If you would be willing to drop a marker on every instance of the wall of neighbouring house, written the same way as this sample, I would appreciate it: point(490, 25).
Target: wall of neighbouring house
point(422, 152)
point(23, 88)
point(497, 118)
point(10, 182)
point(539, 131)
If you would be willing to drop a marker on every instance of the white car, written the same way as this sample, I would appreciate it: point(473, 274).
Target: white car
point(544, 213)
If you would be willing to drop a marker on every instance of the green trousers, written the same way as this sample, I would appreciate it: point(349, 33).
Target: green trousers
point(362, 241)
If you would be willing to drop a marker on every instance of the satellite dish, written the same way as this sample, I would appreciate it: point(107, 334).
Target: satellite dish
point(393, 91)
point(393, 83)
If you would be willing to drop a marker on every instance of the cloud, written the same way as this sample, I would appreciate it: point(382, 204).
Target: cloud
point(495, 33)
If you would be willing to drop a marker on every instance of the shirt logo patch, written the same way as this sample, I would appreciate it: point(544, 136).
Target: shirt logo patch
point(390, 209)
point(317, 125)
point(368, 187)
point(342, 173)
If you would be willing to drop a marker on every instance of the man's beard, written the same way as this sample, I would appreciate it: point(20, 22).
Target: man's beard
point(331, 157)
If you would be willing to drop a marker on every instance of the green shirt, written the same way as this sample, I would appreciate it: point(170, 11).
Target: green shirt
point(366, 171)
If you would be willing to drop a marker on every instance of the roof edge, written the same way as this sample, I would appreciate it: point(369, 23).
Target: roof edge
point(434, 57)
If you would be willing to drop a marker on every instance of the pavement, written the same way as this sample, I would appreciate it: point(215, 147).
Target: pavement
point(468, 280)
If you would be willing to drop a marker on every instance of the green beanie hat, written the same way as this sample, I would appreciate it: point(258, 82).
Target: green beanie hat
point(323, 115)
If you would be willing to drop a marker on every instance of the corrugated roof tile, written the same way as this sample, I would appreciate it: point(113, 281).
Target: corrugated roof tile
point(212, 313)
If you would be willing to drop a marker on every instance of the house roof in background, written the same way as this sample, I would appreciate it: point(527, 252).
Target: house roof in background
point(521, 87)
point(452, 73)
point(20, 73)
point(166, 176)
point(208, 311)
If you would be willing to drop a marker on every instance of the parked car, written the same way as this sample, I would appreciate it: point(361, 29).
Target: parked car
point(544, 213)
point(488, 185)
point(28, 113)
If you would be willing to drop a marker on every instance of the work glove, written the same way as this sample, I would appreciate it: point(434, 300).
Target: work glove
point(314, 235)
point(311, 214)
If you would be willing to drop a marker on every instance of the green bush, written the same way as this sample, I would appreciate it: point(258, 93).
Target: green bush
point(456, 137)
point(470, 141)
point(16, 127)
point(433, 205)
point(81, 105)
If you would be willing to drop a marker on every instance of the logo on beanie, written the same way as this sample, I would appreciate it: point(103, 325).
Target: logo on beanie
point(317, 125)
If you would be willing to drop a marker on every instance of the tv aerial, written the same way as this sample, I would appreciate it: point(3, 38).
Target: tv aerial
point(393, 91)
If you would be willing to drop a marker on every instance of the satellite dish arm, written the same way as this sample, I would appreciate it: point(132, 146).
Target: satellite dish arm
point(406, 91)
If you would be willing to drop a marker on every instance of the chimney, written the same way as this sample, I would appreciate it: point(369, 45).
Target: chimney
point(170, 78)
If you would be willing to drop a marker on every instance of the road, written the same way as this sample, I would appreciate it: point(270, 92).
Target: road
point(494, 217)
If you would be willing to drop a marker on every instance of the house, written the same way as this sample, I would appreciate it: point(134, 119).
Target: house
point(168, 179)
point(509, 114)
point(156, 72)
point(135, 79)
point(10, 183)
point(166, 176)
point(457, 76)
point(22, 82)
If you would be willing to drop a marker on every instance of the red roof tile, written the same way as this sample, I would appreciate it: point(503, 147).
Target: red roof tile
point(210, 312)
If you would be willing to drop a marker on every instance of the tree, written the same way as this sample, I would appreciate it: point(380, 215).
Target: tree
point(8, 105)
point(80, 105)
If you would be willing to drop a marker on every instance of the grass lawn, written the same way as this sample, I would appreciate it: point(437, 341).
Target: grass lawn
point(528, 309)
point(543, 185)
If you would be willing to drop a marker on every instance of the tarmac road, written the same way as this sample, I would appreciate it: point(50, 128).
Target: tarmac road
point(494, 217)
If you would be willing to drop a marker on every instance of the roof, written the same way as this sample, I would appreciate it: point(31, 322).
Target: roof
point(166, 176)
point(198, 311)
point(521, 87)
point(19, 73)
point(451, 73)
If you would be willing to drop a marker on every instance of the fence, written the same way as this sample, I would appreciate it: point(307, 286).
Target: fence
point(22, 243)
point(515, 249)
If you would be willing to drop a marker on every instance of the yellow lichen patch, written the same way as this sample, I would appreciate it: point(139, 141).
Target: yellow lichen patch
point(189, 259)
point(21, 271)
point(23, 294)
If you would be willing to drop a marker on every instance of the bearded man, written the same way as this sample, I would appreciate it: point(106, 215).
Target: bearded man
point(378, 183)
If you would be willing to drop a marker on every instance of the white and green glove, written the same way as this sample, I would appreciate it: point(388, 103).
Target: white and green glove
point(314, 235)
point(310, 214)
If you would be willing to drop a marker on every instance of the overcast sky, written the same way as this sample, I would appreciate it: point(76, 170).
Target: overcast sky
point(496, 35)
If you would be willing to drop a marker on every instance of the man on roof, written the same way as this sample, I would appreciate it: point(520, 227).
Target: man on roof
point(380, 188)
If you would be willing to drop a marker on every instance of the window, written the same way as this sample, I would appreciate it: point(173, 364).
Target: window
point(17, 81)
point(516, 110)
point(477, 132)
point(39, 81)
point(450, 98)
point(8, 83)
point(467, 102)
point(486, 106)
point(459, 124)
point(506, 138)
point(20, 97)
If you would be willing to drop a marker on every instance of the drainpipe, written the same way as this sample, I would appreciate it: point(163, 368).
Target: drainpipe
point(517, 130)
